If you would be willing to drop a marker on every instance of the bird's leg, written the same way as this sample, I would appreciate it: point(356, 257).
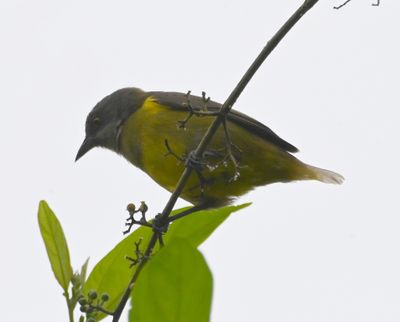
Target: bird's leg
point(130, 221)
point(191, 161)
point(194, 162)
point(226, 154)
point(198, 166)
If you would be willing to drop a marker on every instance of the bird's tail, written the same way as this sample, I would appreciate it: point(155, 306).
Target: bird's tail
point(324, 175)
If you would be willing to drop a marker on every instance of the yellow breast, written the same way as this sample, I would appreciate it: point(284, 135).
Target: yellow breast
point(142, 142)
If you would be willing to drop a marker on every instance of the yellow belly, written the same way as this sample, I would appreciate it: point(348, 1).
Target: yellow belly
point(142, 142)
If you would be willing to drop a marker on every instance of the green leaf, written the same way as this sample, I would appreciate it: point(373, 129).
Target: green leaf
point(112, 273)
point(56, 245)
point(175, 286)
point(197, 227)
point(83, 271)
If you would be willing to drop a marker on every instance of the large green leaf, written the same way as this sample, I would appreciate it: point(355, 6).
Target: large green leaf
point(175, 286)
point(112, 273)
point(56, 245)
point(197, 227)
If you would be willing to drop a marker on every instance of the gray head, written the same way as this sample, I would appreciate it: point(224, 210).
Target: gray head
point(103, 124)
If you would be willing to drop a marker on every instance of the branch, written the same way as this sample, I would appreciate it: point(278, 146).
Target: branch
point(125, 297)
point(374, 4)
point(341, 5)
point(226, 107)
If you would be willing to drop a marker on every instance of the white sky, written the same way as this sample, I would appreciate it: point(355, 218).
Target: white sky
point(304, 251)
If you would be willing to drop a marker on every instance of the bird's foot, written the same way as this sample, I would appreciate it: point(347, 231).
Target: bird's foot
point(194, 162)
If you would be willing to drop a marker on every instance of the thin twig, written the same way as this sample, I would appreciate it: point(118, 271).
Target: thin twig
point(229, 145)
point(341, 5)
point(70, 306)
point(185, 213)
point(101, 309)
point(193, 112)
point(272, 43)
point(125, 297)
point(130, 221)
point(171, 152)
point(374, 4)
point(226, 107)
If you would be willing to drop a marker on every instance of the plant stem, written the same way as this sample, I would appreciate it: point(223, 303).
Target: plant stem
point(226, 107)
point(118, 311)
point(70, 306)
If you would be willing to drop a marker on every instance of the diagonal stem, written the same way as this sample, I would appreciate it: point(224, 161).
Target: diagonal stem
point(125, 297)
point(226, 107)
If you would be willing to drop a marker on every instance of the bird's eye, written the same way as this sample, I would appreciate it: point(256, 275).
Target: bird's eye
point(96, 121)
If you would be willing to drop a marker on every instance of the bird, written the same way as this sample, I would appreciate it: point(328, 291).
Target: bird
point(158, 131)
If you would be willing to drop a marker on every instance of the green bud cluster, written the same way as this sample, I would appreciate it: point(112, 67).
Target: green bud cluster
point(91, 304)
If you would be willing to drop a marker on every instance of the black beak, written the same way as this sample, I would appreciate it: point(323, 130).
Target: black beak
point(86, 146)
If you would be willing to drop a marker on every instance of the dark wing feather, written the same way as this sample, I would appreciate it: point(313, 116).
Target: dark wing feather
point(179, 101)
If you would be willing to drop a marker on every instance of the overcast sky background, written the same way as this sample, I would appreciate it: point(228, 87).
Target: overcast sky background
point(303, 251)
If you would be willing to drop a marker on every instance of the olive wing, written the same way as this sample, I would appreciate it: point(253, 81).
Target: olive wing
point(179, 101)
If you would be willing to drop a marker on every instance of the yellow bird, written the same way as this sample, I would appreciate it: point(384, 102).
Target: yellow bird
point(148, 129)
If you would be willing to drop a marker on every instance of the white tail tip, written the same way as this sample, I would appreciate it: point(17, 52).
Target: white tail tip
point(326, 176)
